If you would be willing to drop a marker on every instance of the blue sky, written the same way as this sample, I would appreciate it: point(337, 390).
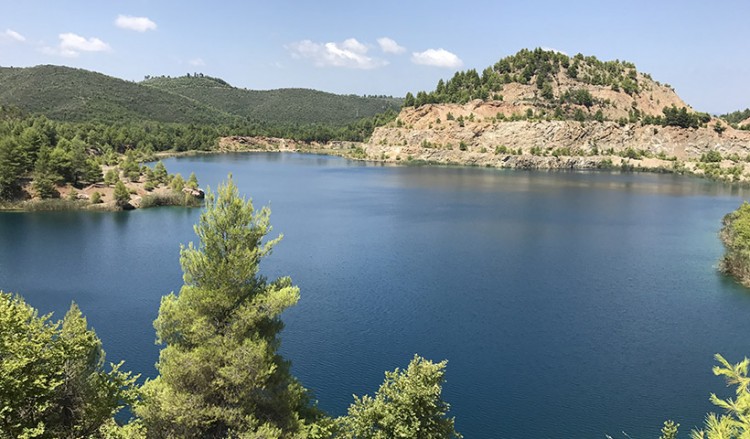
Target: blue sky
point(385, 47)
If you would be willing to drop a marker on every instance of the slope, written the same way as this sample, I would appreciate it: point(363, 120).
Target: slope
point(69, 94)
point(285, 106)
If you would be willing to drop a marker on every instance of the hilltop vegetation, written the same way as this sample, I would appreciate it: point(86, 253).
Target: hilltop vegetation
point(168, 110)
point(738, 119)
point(283, 106)
point(77, 95)
point(543, 84)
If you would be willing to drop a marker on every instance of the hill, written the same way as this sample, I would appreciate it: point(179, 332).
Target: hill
point(284, 106)
point(77, 95)
point(544, 109)
point(551, 85)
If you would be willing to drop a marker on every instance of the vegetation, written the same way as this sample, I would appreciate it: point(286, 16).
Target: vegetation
point(407, 405)
point(537, 67)
point(53, 153)
point(220, 373)
point(544, 70)
point(53, 378)
point(735, 234)
point(190, 112)
point(735, 424)
point(736, 117)
point(77, 95)
point(283, 106)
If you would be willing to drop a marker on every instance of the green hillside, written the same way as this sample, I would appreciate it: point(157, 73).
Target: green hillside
point(289, 105)
point(68, 94)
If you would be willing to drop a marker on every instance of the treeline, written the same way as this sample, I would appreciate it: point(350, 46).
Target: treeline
point(537, 66)
point(736, 118)
point(678, 117)
point(78, 95)
point(34, 147)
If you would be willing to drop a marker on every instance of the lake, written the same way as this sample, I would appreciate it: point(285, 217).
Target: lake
point(568, 304)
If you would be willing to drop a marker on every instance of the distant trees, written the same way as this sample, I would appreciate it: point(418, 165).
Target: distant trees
point(11, 167)
point(53, 378)
point(538, 67)
point(73, 153)
point(680, 117)
point(735, 234)
point(121, 194)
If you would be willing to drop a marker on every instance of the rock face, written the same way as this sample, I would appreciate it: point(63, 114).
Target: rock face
point(448, 140)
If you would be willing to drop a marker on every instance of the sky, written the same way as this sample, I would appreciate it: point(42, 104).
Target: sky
point(381, 47)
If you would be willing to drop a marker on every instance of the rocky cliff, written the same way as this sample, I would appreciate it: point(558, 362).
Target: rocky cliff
point(425, 133)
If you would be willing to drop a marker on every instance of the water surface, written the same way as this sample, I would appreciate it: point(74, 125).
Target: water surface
point(567, 304)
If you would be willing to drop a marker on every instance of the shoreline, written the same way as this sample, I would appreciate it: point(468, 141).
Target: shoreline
point(724, 171)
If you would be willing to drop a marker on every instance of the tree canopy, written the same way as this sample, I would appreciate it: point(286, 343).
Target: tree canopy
point(53, 379)
point(220, 363)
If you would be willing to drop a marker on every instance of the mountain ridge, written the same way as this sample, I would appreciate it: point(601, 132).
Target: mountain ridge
point(79, 95)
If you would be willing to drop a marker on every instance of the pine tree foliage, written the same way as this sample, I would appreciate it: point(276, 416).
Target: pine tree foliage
point(407, 405)
point(669, 430)
point(735, 424)
point(220, 371)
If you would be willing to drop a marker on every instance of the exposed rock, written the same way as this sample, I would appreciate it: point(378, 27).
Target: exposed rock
point(197, 192)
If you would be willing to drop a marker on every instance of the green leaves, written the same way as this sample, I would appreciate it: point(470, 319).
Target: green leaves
point(407, 405)
point(735, 234)
point(220, 372)
point(735, 424)
point(53, 381)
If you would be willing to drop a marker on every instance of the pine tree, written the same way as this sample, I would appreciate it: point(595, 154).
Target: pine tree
point(192, 182)
point(407, 405)
point(122, 196)
point(736, 423)
point(220, 373)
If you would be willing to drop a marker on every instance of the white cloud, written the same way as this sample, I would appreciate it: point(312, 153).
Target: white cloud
point(71, 45)
point(13, 35)
point(350, 53)
point(552, 49)
point(388, 45)
point(138, 24)
point(437, 58)
point(197, 62)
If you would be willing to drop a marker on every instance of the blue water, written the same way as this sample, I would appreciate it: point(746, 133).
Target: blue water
point(567, 304)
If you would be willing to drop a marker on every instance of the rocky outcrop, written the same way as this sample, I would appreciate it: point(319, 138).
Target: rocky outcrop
point(580, 138)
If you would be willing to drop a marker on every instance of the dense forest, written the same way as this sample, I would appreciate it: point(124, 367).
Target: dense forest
point(77, 95)
point(282, 106)
point(220, 374)
point(59, 124)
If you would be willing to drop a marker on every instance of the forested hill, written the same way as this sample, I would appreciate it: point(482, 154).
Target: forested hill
point(77, 95)
point(547, 84)
point(287, 105)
